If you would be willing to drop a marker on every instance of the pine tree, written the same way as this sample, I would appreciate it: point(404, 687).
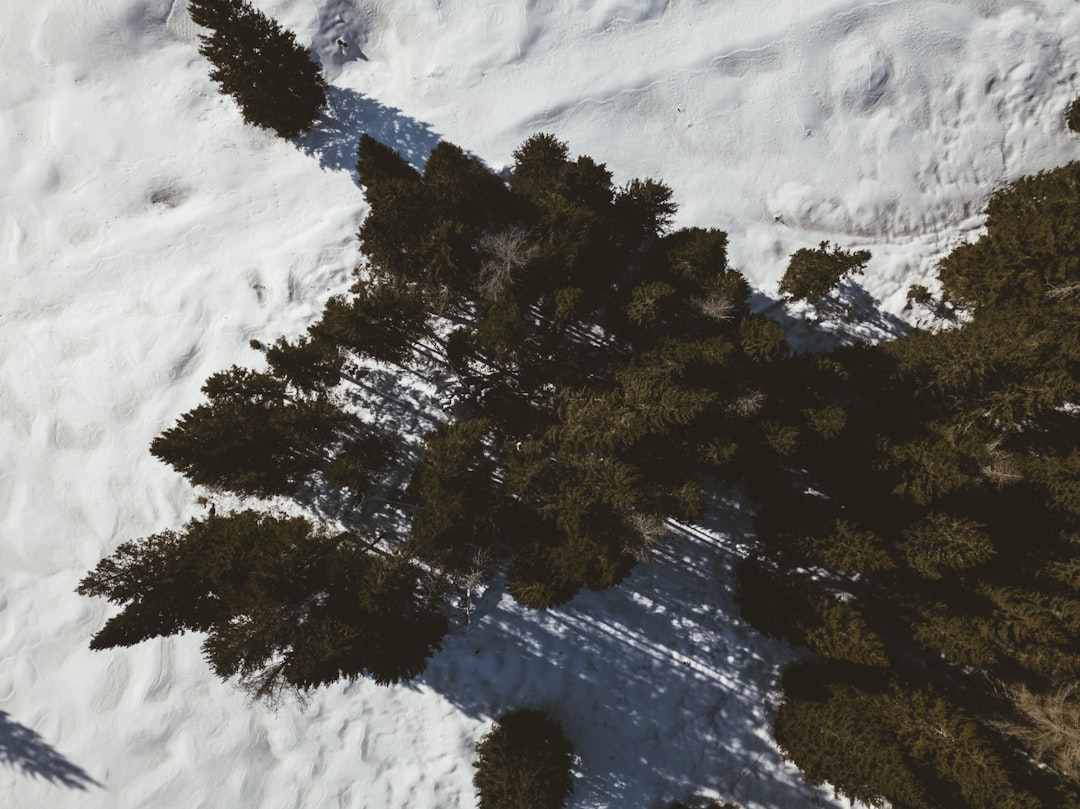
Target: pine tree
point(943, 543)
point(251, 437)
point(813, 273)
point(309, 365)
point(270, 76)
point(524, 762)
point(284, 607)
point(457, 497)
point(462, 188)
point(834, 731)
point(644, 209)
point(539, 164)
point(381, 321)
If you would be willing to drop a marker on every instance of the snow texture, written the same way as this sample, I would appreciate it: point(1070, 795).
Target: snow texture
point(147, 234)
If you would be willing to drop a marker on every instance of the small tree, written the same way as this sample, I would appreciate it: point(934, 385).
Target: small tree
point(1073, 115)
point(257, 62)
point(524, 763)
point(942, 543)
point(284, 607)
point(813, 273)
point(251, 437)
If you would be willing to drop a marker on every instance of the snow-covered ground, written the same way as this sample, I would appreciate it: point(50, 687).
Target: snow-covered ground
point(146, 235)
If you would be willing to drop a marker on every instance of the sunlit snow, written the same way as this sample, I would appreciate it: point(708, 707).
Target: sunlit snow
point(147, 234)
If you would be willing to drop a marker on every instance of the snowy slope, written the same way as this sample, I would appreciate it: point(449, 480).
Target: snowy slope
point(146, 235)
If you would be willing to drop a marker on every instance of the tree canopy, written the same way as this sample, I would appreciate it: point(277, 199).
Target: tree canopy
point(260, 65)
point(917, 501)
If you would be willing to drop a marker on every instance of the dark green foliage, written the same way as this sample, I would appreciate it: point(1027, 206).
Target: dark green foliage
point(928, 468)
point(1004, 370)
point(1072, 116)
point(309, 365)
point(283, 606)
point(836, 732)
point(828, 422)
point(917, 500)
point(501, 332)
point(456, 493)
point(941, 479)
point(783, 439)
point(379, 167)
point(875, 741)
point(400, 211)
point(1059, 474)
point(273, 80)
point(251, 437)
point(919, 294)
point(1030, 246)
point(942, 543)
point(700, 255)
point(463, 189)
point(852, 550)
point(803, 612)
point(963, 639)
point(538, 165)
point(381, 321)
point(358, 462)
point(645, 207)
point(391, 232)
point(762, 339)
point(650, 304)
point(524, 762)
point(813, 273)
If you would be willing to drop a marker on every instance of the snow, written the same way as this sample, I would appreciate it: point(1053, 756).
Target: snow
point(147, 234)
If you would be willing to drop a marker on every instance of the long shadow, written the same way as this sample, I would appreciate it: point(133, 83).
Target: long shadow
point(850, 315)
point(333, 139)
point(22, 748)
point(658, 683)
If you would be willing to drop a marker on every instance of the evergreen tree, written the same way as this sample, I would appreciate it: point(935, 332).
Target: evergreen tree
point(813, 273)
point(1029, 247)
point(273, 80)
point(284, 607)
point(644, 208)
point(943, 543)
point(309, 365)
point(524, 762)
point(462, 188)
point(251, 437)
point(381, 321)
point(835, 731)
point(456, 493)
point(539, 164)
point(1072, 115)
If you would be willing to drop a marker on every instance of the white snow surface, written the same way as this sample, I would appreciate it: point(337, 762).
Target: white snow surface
point(146, 234)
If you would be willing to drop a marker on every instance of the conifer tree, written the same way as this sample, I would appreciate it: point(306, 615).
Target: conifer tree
point(524, 763)
point(284, 607)
point(457, 497)
point(270, 76)
point(813, 273)
point(251, 437)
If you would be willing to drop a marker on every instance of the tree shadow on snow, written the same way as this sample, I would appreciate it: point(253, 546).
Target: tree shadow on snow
point(25, 750)
point(348, 114)
point(848, 316)
point(658, 683)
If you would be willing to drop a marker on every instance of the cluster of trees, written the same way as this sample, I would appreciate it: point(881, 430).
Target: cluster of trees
point(601, 361)
point(931, 564)
point(919, 501)
point(260, 64)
